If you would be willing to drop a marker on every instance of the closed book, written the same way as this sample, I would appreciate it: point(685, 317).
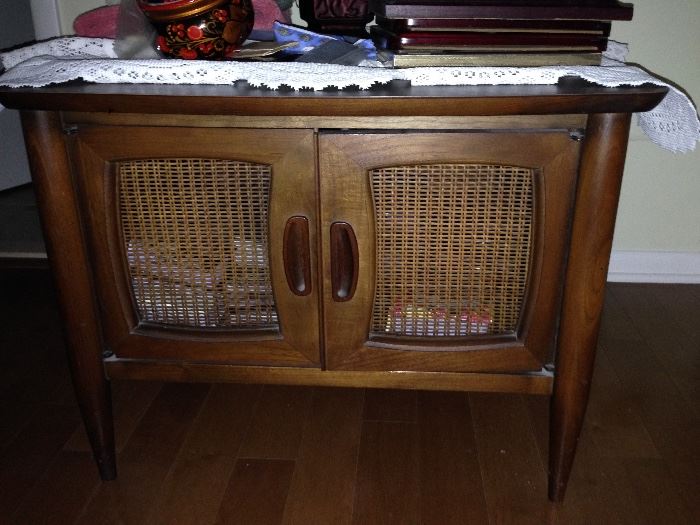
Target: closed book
point(404, 60)
point(402, 25)
point(487, 41)
point(511, 9)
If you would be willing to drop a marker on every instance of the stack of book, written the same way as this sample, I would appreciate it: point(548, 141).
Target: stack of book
point(412, 33)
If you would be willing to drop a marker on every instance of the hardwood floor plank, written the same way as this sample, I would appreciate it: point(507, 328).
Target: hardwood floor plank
point(538, 412)
point(387, 489)
point(694, 289)
point(390, 405)
point(14, 417)
point(63, 392)
point(36, 384)
point(637, 462)
point(514, 478)
point(682, 301)
point(257, 492)
point(614, 323)
point(658, 325)
point(606, 491)
point(32, 353)
point(61, 492)
point(278, 421)
point(651, 484)
point(197, 481)
point(671, 422)
point(322, 489)
point(613, 419)
point(144, 463)
point(451, 491)
point(130, 401)
point(28, 456)
point(597, 491)
point(596, 488)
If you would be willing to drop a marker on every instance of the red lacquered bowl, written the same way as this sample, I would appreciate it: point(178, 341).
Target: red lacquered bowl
point(205, 29)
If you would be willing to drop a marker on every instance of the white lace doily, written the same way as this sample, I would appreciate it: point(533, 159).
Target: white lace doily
point(673, 125)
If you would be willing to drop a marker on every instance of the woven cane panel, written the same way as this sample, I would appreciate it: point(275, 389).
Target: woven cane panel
point(453, 248)
point(195, 235)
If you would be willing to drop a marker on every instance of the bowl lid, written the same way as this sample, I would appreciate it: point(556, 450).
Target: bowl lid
point(164, 10)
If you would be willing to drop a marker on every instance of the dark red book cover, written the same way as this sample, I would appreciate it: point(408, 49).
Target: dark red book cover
point(513, 9)
point(488, 41)
point(402, 25)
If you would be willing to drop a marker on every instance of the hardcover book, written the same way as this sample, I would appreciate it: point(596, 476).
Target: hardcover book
point(404, 59)
point(469, 41)
point(494, 25)
point(508, 9)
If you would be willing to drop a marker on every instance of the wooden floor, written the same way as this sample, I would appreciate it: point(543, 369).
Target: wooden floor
point(192, 453)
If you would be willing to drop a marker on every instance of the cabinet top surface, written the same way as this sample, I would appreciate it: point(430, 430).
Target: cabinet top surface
point(569, 96)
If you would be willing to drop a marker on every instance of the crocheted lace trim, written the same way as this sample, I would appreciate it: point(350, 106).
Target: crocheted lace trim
point(673, 125)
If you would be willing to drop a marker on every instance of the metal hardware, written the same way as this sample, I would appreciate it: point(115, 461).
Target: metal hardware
point(576, 135)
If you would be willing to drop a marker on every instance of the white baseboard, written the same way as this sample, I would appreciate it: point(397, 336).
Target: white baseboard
point(654, 267)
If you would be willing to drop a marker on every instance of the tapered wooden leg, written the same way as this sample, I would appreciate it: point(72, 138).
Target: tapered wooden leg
point(58, 209)
point(597, 197)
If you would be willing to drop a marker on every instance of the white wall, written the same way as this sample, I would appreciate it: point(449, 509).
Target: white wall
point(660, 205)
point(15, 28)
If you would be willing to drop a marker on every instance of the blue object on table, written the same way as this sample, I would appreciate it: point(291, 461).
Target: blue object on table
point(308, 40)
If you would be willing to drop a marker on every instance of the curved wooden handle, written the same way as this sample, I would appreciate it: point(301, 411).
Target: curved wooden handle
point(344, 261)
point(295, 252)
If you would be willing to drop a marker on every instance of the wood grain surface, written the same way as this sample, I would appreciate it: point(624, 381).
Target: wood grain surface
point(458, 458)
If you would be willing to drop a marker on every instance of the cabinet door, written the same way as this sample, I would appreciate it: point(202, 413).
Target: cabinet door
point(202, 241)
point(444, 251)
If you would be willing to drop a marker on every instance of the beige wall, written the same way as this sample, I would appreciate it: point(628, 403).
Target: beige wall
point(660, 205)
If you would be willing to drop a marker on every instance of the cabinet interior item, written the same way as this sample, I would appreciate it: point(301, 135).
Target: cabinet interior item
point(454, 243)
point(195, 242)
point(441, 238)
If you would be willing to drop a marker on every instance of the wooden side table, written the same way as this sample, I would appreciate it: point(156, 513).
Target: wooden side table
point(419, 238)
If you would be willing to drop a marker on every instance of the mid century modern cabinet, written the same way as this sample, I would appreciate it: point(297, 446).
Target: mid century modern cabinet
point(423, 238)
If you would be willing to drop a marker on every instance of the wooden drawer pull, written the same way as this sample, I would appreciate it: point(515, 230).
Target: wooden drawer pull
point(297, 262)
point(344, 261)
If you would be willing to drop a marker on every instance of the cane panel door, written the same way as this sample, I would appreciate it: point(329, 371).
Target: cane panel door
point(444, 251)
point(203, 242)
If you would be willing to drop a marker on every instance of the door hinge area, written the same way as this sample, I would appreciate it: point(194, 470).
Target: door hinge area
point(577, 135)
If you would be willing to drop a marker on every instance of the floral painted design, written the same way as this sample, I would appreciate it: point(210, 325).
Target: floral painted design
point(212, 35)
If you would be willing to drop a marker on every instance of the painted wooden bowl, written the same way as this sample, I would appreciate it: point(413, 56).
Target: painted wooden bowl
point(199, 29)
